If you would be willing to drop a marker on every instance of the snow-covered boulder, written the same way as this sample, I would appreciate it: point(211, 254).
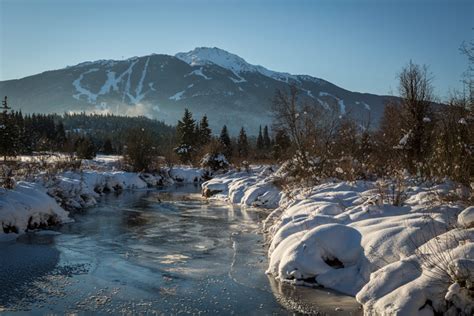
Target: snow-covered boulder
point(28, 207)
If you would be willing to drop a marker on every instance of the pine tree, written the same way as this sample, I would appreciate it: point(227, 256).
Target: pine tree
point(242, 144)
point(204, 131)
point(266, 138)
point(185, 131)
point(282, 144)
point(226, 143)
point(140, 149)
point(8, 132)
point(260, 139)
point(60, 136)
point(107, 147)
point(85, 148)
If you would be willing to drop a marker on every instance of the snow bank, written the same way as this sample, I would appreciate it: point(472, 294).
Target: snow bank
point(76, 190)
point(187, 174)
point(28, 207)
point(253, 188)
point(329, 253)
point(33, 205)
point(407, 259)
point(466, 218)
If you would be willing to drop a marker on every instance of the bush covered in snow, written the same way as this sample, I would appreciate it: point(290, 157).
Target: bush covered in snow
point(215, 162)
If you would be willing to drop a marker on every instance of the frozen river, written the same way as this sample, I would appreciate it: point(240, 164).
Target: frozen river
point(154, 252)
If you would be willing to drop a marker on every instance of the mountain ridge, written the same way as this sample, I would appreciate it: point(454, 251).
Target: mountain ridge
point(208, 81)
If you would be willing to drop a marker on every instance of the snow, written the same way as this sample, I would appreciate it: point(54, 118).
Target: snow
point(186, 174)
point(139, 95)
point(198, 72)
point(215, 161)
point(342, 106)
point(109, 84)
point(245, 188)
point(203, 56)
point(309, 93)
point(177, 96)
point(306, 256)
point(340, 102)
point(409, 259)
point(91, 97)
point(28, 206)
point(367, 107)
point(41, 203)
point(403, 141)
point(466, 217)
point(324, 104)
point(112, 82)
point(239, 80)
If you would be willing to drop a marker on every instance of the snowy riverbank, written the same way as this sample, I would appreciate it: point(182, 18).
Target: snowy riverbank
point(46, 200)
point(412, 259)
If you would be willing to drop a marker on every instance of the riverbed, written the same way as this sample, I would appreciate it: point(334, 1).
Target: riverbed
point(152, 253)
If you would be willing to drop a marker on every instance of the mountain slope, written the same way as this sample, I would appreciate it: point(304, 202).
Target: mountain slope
point(206, 80)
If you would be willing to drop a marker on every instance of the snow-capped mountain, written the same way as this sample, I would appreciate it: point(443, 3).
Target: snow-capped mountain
point(208, 81)
point(204, 56)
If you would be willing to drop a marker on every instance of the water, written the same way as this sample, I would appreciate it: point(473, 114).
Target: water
point(152, 253)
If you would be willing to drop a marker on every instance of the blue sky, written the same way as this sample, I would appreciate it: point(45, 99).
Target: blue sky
point(359, 45)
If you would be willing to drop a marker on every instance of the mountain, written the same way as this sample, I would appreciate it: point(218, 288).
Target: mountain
point(208, 81)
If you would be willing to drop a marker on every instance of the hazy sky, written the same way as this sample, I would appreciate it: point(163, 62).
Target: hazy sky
point(359, 45)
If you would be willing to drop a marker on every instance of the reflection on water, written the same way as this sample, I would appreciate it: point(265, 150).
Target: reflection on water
point(307, 300)
point(152, 253)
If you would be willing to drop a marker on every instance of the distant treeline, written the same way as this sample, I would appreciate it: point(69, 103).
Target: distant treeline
point(27, 133)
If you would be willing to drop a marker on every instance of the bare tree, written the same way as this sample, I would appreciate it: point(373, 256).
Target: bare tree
point(467, 49)
point(416, 92)
point(311, 130)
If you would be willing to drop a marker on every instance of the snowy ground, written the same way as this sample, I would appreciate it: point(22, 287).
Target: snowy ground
point(414, 259)
point(43, 200)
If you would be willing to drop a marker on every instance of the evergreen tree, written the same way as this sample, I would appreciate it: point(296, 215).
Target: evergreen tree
point(205, 133)
point(8, 132)
point(197, 140)
point(185, 131)
point(266, 138)
point(60, 136)
point(24, 141)
point(260, 139)
point(140, 150)
point(242, 144)
point(282, 144)
point(85, 148)
point(226, 143)
point(107, 147)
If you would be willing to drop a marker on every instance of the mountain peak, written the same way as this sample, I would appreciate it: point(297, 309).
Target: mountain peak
point(201, 56)
point(204, 55)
